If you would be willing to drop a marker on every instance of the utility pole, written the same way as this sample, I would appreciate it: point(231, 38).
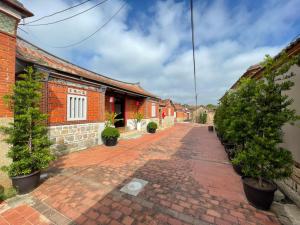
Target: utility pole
point(193, 43)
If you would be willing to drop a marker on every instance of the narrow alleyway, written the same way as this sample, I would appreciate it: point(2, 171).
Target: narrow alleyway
point(190, 181)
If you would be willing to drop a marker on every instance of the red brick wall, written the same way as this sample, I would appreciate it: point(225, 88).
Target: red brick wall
point(7, 70)
point(57, 105)
point(181, 115)
point(131, 108)
point(149, 109)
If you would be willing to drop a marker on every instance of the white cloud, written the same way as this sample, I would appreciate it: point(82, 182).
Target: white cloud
point(156, 50)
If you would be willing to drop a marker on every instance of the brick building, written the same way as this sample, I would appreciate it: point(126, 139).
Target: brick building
point(74, 98)
point(181, 113)
point(166, 113)
point(77, 99)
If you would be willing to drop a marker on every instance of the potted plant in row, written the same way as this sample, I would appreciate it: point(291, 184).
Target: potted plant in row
point(151, 127)
point(138, 120)
point(110, 136)
point(263, 159)
point(28, 134)
point(111, 119)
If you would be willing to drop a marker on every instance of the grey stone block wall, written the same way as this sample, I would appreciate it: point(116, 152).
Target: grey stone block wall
point(168, 121)
point(4, 160)
point(70, 138)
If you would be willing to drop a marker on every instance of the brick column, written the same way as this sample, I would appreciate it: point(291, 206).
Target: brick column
point(10, 14)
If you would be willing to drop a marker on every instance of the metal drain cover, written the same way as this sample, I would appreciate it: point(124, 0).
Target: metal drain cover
point(134, 187)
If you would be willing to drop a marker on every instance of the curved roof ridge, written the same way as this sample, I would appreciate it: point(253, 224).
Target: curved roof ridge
point(66, 61)
point(32, 53)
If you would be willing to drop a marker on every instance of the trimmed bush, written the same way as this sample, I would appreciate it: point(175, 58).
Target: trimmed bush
point(110, 132)
point(202, 118)
point(27, 135)
point(152, 126)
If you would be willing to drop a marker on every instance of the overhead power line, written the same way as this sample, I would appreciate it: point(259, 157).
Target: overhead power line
point(67, 18)
point(193, 43)
point(89, 36)
point(61, 11)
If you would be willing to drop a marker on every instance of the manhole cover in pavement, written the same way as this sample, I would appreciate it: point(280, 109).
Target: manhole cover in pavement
point(134, 187)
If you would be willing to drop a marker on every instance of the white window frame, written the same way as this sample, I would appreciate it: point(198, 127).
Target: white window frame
point(153, 110)
point(169, 111)
point(79, 105)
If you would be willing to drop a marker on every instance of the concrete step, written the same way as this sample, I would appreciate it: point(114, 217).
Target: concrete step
point(130, 134)
point(288, 214)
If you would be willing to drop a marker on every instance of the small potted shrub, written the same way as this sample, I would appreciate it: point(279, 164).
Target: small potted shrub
point(151, 127)
point(28, 134)
point(262, 158)
point(138, 119)
point(111, 119)
point(110, 136)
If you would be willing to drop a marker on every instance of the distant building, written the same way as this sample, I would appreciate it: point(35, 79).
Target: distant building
point(203, 109)
point(181, 113)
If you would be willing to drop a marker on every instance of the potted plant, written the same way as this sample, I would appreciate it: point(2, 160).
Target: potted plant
point(262, 158)
point(138, 119)
point(110, 136)
point(111, 119)
point(151, 127)
point(28, 134)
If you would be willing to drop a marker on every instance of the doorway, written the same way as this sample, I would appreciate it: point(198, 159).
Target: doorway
point(119, 108)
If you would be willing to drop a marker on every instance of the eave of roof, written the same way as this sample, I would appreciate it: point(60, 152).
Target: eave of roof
point(19, 7)
point(255, 71)
point(33, 54)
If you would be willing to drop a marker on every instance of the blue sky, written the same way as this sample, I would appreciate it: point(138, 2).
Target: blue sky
point(150, 41)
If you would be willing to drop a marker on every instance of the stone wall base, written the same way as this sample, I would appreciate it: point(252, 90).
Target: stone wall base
point(168, 121)
point(70, 138)
point(291, 186)
point(4, 160)
point(131, 123)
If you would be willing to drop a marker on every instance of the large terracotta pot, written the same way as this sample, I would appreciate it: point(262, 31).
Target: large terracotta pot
point(26, 183)
point(260, 198)
point(112, 141)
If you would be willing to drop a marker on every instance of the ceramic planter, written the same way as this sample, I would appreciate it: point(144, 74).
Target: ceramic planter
point(139, 126)
point(151, 130)
point(260, 198)
point(111, 141)
point(26, 183)
point(211, 128)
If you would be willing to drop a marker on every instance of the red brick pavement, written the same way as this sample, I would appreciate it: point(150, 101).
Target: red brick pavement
point(190, 182)
point(23, 215)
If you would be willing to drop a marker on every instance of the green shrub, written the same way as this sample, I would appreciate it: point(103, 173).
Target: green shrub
point(202, 118)
point(262, 157)
point(111, 119)
point(152, 126)
point(28, 134)
point(7, 193)
point(138, 117)
point(110, 132)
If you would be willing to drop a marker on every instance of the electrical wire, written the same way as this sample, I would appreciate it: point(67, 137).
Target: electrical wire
point(67, 18)
point(91, 35)
point(86, 38)
point(61, 11)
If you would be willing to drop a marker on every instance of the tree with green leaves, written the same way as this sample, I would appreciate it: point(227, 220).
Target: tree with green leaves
point(223, 115)
point(262, 157)
point(241, 121)
point(28, 134)
point(202, 117)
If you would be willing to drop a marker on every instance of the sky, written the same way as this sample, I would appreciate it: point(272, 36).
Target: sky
point(150, 41)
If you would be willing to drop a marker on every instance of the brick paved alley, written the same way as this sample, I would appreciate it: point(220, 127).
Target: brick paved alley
point(190, 181)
